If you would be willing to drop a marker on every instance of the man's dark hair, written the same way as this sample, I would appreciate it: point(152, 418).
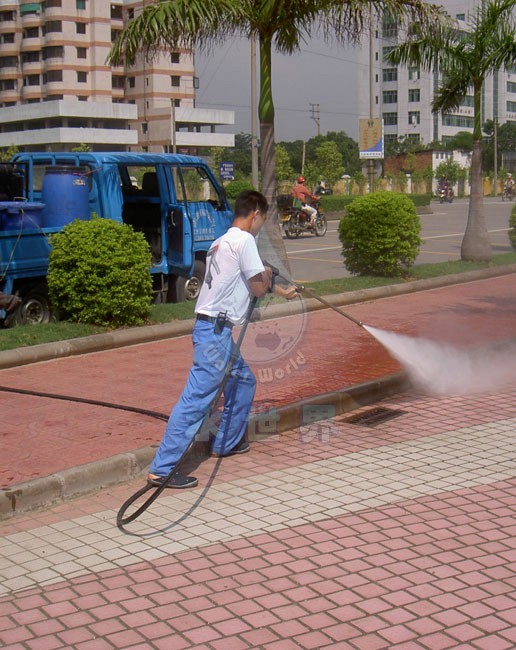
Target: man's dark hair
point(250, 200)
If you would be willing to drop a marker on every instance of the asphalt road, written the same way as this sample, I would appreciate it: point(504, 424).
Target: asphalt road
point(319, 258)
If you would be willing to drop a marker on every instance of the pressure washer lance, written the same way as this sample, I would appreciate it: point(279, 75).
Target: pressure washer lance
point(120, 519)
point(302, 289)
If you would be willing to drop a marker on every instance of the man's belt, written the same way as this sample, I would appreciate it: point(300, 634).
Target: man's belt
point(222, 322)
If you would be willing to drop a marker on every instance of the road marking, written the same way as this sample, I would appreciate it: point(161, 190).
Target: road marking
point(461, 234)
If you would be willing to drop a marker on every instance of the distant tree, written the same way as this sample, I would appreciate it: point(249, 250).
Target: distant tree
point(448, 170)
point(328, 161)
point(7, 154)
point(81, 148)
point(461, 141)
point(284, 169)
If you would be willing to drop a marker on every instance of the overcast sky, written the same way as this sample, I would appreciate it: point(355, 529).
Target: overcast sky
point(319, 74)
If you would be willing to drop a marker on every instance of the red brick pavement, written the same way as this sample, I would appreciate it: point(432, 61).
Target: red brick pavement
point(41, 436)
point(428, 573)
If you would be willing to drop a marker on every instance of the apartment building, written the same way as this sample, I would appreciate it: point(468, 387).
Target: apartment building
point(402, 95)
point(57, 91)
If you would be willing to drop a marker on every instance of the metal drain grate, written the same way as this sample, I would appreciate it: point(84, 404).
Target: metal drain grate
point(374, 416)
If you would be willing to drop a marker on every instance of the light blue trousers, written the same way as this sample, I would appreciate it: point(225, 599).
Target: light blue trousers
point(212, 353)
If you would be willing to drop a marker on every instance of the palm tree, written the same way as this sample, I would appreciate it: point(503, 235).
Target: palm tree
point(279, 24)
point(465, 59)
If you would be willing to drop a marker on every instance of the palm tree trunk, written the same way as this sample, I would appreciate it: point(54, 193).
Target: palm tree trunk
point(274, 248)
point(476, 246)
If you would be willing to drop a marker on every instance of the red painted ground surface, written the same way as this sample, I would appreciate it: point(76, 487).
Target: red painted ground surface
point(40, 436)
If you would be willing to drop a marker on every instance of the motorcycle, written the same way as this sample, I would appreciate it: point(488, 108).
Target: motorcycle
point(445, 195)
point(295, 222)
point(507, 193)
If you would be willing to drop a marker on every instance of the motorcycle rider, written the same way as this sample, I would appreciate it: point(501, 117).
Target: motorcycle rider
point(509, 185)
point(300, 193)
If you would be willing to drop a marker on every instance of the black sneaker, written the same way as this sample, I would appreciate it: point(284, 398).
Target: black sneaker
point(241, 448)
point(178, 481)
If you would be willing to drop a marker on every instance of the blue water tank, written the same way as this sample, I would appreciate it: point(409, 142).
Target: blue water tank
point(65, 193)
point(21, 215)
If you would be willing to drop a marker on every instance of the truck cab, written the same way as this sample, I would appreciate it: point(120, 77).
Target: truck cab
point(174, 200)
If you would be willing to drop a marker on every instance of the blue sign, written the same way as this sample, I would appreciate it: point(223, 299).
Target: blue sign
point(227, 171)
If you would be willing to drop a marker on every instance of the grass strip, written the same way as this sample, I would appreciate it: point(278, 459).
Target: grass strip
point(26, 335)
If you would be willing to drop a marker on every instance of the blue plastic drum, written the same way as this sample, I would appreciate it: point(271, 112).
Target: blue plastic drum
point(65, 193)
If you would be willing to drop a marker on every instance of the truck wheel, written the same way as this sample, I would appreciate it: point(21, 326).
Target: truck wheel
point(188, 288)
point(35, 308)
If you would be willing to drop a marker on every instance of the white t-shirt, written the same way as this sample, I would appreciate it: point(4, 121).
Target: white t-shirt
point(231, 261)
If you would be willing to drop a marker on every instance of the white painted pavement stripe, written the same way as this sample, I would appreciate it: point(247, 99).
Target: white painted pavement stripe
point(444, 462)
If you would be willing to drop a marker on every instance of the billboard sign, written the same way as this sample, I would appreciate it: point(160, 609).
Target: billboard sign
point(370, 138)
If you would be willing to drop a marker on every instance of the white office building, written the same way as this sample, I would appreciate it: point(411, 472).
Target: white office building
point(402, 95)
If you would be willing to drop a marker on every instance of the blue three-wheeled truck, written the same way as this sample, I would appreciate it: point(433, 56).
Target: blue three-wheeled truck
point(174, 200)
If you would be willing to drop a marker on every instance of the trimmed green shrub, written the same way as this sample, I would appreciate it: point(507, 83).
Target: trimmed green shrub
point(512, 227)
point(335, 202)
point(380, 235)
point(233, 188)
point(99, 273)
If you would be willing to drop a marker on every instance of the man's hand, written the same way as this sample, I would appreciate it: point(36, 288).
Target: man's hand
point(288, 293)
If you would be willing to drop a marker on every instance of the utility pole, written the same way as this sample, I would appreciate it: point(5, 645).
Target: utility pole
point(495, 147)
point(254, 115)
point(370, 162)
point(316, 116)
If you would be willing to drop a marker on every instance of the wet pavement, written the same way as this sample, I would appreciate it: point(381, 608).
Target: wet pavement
point(341, 533)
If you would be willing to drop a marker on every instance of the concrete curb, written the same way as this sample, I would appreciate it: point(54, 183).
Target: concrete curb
point(85, 479)
point(136, 335)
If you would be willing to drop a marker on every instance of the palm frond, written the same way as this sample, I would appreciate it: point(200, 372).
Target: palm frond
point(450, 94)
point(173, 23)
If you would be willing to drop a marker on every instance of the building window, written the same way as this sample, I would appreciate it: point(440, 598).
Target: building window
point(8, 61)
point(116, 12)
point(52, 3)
point(175, 57)
point(468, 101)
point(118, 81)
point(458, 120)
point(176, 102)
point(414, 117)
point(53, 26)
point(132, 82)
point(83, 98)
point(175, 80)
point(31, 80)
point(145, 128)
point(389, 26)
point(414, 95)
point(511, 87)
point(390, 119)
point(413, 137)
point(8, 84)
point(390, 96)
point(31, 32)
point(114, 34)
point(390, 74)
point(414, 74)
point(80, 4)
point(460, 16)
point(82, 52)
point(52, 76)
point(386, 50)
point(8, 38)
point(80, 28)
point(511, 107)
point(7, 16)
point(53, 52)
point(82, 77)
point(130, 14)
point(30, 57)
